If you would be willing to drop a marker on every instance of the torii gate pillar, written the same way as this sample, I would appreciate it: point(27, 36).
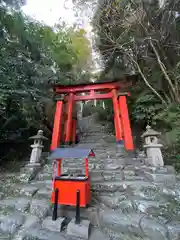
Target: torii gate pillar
point(108, 91)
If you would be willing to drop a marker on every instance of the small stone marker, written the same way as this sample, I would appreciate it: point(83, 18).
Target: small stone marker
point(153, 148)
point(37, 147)
point(54, 226)
point(78, 230)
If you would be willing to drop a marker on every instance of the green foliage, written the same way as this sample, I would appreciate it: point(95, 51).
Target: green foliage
point(88, 109)
point(32, 56)
point(143, 37)
point(145, 108)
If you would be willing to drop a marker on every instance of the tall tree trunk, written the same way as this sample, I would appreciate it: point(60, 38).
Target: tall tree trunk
point(172, 87)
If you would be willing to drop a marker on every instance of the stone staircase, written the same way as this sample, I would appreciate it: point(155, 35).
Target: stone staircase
point(130, 201)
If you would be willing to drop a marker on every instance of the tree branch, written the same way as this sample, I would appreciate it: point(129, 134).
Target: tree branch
point(176, 97)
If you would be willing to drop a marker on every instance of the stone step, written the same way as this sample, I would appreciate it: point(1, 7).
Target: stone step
point(36, 232)
point(86, 213)
point(44, 176)
point(11, 223)
point(107, 171)
point(127, 204)
point(106, 178)
point(90, 141)
point(167, 179)
point(111, 164)
point(109, 151)
point(25, 190)
point(133, 178)
point(95, 136)
point(42, 184)
point(136, 224)
point(11, 204)
point(113, 186)
point(30, 222)
point(44, 193)
point(96, 175)
point(93, 162)
point(69, 228)
point(156, 170)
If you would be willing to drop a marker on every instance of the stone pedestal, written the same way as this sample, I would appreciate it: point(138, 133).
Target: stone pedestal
point(55, 226)
point(78, 230)
point(154, 155)
point(35, 154)
point(153, 148)
point(36, 149)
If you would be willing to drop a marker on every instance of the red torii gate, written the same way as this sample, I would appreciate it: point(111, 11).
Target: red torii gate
point(67, 96)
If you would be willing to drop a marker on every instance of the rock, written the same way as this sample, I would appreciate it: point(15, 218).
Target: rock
point(159, 170)
point(28, 191)
point(126, 206)
point(42, 234)
point(28, 174)
point(30, 222)
point(100, 187)
point(146, 206)
point(168, 192)
point(174, 230)
point(133, 223)
point(129, 172)
point(4, 236)
point(42, 184)
point(167, 179)
point(44, 176)
point(113, 201)
point(118, 203)
point(55, 226)
point(113, 186)
point(133, 178)
point(113, 166)
point(10, 224)
point(48, 168)
point(150, 193)
point(106, 176)
point(20, 204)
point(78, 230)
point(40, 208)
point(1, 195)
point(98, 235)
point(122, 236)
point(44, 192)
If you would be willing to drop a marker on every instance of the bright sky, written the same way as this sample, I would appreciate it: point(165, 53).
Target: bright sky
point(50, 11)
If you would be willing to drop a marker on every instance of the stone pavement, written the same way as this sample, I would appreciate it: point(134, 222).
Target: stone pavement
point(130, 201)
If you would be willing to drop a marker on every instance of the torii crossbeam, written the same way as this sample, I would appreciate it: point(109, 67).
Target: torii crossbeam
point(67, 96)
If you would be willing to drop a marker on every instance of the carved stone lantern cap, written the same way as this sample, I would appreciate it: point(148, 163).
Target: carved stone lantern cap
point(39, 136)
point(150, 132)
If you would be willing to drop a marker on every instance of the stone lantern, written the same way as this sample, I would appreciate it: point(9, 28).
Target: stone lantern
point(37, 147)
point(153, 148)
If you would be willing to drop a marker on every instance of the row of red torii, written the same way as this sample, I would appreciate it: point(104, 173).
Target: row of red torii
point(67, 96)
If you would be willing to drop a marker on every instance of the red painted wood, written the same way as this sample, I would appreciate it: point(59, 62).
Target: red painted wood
point(68, 190)
point(56, 135)
point(86, 88)
point(128, 140)
point(59, 167)
point(68, 129)
point(74, 130)
point(115, 126)
point(69, 187)
point(65, 121)
point(91, 96)
point(87, 167)
point(117, 120)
